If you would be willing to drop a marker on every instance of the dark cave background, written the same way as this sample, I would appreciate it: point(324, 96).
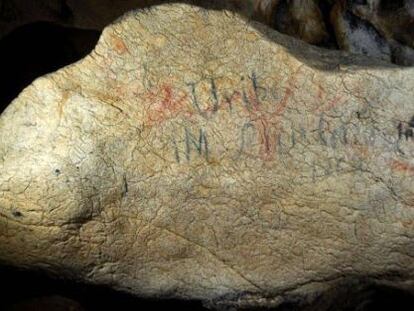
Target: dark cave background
point(37, 291)
point(36, 49)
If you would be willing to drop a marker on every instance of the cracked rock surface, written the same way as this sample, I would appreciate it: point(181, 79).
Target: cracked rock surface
point(191, 155)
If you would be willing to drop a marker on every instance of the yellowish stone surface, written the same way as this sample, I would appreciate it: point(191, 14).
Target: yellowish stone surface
point(192, 155)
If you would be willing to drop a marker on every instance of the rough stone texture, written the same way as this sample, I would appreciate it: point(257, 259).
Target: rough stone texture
point(193, 155)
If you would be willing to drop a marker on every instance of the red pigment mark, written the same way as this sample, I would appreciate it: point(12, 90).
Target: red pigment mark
point(268, 123)
point(261, 120)
point(403, 167)
point(229, 100)
point(119, 45)
point(283, 104)
point(166, 107)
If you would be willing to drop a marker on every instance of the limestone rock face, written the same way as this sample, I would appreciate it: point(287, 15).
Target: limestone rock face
point(192, 155)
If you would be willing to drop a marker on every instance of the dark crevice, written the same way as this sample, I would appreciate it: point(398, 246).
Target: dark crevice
point(36, 49)
point(24, 288)
point(391, 6)
point(17, 214)
point(326, 7)
point(65, 12)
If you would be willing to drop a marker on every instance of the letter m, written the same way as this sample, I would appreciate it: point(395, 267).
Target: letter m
point(198, 144)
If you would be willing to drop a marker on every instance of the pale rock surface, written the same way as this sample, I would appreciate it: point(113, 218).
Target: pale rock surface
point(191, 155)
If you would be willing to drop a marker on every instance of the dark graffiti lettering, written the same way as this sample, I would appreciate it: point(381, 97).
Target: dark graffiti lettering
point(406, 131)
point(176, 152)
point(321, 130)
point(208, 111)
point(260, 92)
point(293, 138)
point(215, 96)
point(265, 131)
point(200, 144)
point(253, 79)
point(195, 100)
point(400, 130)
point(246, 101)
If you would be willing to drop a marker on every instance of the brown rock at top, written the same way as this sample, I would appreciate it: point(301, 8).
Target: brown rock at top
point(357, 35)
point(301, 19)
point(393, 19)
point(382, 29)
point(192, 155)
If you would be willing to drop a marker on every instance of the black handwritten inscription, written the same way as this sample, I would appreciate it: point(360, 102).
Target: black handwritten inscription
point(258, 128)
point(208, 108)
point(199, 143)
point(206, 111)
point(259, 91)
point(339, 135)
point(215, 96)
point(326, 133)
point(8, 11)
point(406, 131)
point(194, 144)
point(191, 144)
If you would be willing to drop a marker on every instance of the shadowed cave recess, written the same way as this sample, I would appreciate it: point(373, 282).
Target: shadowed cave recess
point(38, 48)
point(34, 290)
